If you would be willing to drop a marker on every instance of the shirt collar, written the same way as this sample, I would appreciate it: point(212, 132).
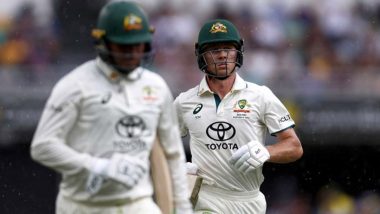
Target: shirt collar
point(239, 84)
point(114, 75)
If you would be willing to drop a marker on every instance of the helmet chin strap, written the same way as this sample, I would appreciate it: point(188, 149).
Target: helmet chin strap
point(218, 78)
point(111, 62)
point(108, 58)
point(213, 76)
point(123, 70)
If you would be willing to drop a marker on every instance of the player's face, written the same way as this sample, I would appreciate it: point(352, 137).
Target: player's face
point(220, 58)
point(127, 56)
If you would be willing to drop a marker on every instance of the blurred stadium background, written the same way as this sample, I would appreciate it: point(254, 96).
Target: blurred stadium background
point(322, 58)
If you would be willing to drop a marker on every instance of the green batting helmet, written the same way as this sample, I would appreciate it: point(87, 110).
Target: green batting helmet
point(123, 22)
point(218, 31)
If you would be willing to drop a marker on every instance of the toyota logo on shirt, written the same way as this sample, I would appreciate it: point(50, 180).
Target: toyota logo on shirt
point(220, 131)
point(130, 127)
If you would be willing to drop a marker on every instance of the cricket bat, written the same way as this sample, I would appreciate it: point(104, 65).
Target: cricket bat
point(195, 183)
point(162, 183)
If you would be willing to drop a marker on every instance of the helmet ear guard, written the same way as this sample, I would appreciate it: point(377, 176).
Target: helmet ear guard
point(201, 61)
point(239, 59)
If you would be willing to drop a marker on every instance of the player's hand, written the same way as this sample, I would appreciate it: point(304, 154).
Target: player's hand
point(249, 157)
point(121, 168)
point(126, 169)
point(94, 183)
point(191, 168)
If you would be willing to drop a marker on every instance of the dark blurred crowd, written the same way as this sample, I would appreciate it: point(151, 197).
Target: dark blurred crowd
point(310, 48)
point(286, 198)
point(320, 47)
point(25, 43)
point(314, 47)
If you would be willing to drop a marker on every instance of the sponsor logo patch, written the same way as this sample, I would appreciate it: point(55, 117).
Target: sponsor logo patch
point(220, 131)
point(241, 106)
point(219, 146)
point(59, 108)
point(130, 127)
point(132, 22)
point(218, 27)
point(149, 94)
point(284, 118)
point(198, 108)
point(106, 98)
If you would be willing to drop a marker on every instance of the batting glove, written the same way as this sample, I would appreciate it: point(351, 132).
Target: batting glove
point(126, 169)
point(94, 183)
point(249, 157)
point(191, 168)
point(121, 168)
point(95, 178)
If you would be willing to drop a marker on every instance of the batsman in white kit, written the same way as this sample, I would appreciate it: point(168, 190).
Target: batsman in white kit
point(101, 120)
point(228, 119)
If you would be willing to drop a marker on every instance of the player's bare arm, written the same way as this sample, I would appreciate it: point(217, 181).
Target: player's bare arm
point(287, 149)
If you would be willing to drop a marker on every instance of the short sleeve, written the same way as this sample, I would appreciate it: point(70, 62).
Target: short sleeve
point(276, 117)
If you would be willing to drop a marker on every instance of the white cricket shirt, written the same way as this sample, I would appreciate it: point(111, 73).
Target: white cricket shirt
point(217, 128)
point(94, 112)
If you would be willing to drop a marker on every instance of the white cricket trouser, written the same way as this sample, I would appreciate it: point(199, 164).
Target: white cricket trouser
point(141, 206)
point(215, 200)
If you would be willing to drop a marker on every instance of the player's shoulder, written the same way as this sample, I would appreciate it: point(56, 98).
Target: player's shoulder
point(73, 82)
point(147, 73)
point(188, 95)
point(261, 93)
point(73, 79)
point(258, 89)
point(86, 69)
point(152, 77)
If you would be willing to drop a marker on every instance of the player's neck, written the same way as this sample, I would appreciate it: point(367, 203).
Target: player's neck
point(221, 87)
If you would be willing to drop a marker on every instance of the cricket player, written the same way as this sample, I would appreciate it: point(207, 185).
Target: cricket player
point(227, 119)
point(101, 119)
